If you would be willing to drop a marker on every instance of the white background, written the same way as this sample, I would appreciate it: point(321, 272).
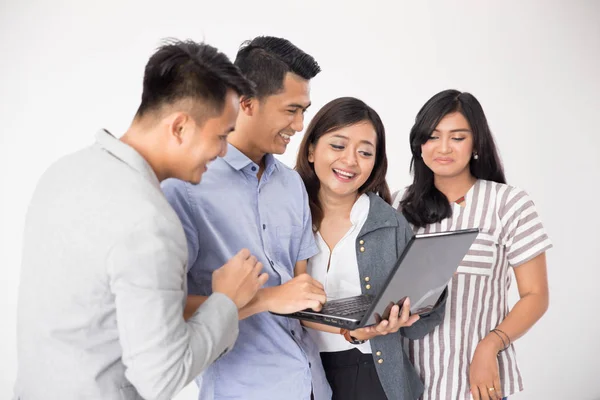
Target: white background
point(70, 67)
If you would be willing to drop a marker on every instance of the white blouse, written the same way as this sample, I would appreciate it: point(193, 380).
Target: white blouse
point(342, 279)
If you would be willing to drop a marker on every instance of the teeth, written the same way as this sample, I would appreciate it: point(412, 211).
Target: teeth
point(286, 137)
point(344, 173)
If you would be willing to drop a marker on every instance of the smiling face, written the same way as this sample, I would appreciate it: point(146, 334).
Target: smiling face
point(343, 159)
point(448, 151)
point(195, 145)
point(279, 116)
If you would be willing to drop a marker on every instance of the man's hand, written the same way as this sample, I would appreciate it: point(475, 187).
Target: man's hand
point(397, 319)
point(300, 293)
point(239, 279)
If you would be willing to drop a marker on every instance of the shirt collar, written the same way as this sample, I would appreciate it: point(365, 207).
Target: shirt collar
point(381, 215)
point(360, 210)
point(126, 154)
point(239, 161)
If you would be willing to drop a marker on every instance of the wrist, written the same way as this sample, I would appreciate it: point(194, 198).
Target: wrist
point(491, 344)
point(265, 297)
point(360, 335)
point(350, 336)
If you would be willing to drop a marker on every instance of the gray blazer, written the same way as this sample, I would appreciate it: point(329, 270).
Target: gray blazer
point(378, 246)
point(103, 284)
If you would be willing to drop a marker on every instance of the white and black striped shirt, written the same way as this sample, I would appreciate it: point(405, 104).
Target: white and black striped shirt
point(511, 234)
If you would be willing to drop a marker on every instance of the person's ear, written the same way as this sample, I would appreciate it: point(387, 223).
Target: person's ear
point(179, 126)
point(248, 105)
point(311, 153)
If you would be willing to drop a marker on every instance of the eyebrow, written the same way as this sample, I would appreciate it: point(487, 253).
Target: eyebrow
point(346, 138)
point(295, 105)
point(457, 130)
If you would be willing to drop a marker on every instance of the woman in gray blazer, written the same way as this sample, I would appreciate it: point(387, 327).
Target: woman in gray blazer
point(360, 236)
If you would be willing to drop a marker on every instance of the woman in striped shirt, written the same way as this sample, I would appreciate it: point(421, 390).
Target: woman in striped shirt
point(459, 183)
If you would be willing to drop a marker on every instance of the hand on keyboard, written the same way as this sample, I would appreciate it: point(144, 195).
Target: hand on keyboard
point(297, 294)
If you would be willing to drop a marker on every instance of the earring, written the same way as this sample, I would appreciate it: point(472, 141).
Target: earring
point(476, 156)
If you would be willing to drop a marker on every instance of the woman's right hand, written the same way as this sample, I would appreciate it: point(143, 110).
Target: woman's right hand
point(398, 319)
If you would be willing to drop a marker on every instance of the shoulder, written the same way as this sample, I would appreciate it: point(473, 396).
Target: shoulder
point(509, 199)
point(172, 187)
point(289, 175)
point(499, 189)
point(397, 196)
point(285, 170)
point(381, 211)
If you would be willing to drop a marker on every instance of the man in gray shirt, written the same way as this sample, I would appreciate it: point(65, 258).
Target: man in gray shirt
point(103, 276)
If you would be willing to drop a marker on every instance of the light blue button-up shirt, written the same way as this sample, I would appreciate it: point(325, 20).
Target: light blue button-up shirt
point(274, 357)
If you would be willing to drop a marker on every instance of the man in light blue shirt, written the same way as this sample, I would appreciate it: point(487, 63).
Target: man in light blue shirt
point(248, 199)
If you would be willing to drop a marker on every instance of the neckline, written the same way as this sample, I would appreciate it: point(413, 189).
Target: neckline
point(466, 198)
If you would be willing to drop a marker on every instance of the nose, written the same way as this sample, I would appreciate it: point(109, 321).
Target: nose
point(298, 122)
point(445, 146)
point(349, 157)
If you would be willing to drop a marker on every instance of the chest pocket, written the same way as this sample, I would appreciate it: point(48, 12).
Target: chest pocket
point(288, 242)
point(481, 257)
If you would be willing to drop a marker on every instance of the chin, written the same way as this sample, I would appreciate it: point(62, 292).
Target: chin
point(278, 150)
point(444, 173)
point(343, 192)
point(195, 180)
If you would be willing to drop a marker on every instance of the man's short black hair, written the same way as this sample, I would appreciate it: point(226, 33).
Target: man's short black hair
point(181, 70)
point(265, 60)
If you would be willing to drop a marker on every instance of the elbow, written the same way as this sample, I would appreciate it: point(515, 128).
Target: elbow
point(544, 303)
point(154, 386)
point(538, 302)
point(425, 324)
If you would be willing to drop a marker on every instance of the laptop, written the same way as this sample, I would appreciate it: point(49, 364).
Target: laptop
point(421, 273)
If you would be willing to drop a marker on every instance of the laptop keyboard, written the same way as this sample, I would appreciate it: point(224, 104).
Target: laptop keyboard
point(349, 306)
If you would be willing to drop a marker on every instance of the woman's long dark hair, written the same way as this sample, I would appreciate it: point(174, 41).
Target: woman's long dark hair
point(423, 203)
point(337, 114)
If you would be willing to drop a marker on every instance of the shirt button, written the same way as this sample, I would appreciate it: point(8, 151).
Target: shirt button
point(368, 287)
point(271, 262)
point(362, 249)
point(380, 361)
point(361, 241)
point(378, 354)
point(253, 168)
point(264, 227)
point(367, 279)
point(293, 333)
point(309, 365)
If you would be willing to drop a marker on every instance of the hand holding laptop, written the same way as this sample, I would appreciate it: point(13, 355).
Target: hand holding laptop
point(398, 318)
point(422, 273)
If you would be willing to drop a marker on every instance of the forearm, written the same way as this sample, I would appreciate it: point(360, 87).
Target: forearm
point(427, 323)
point(528, 310)
point(260, 303)
point(321, 327)
point(192, 303)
